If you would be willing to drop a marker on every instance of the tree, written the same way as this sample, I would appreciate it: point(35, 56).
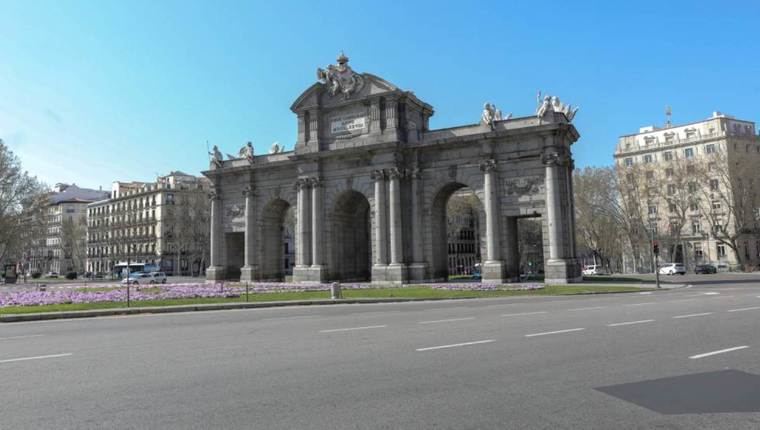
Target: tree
point(600, 218)
point(73, 244)
point(187, 229)
point(728, 199)
point(20, 198)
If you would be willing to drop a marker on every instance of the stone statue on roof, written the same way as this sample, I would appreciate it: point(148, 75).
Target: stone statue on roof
point(340, 78)
point(247, 152)
point(216, 157)
point(553, 104)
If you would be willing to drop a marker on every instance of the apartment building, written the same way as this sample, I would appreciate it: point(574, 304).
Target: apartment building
point(163, 225)
point(693, 190)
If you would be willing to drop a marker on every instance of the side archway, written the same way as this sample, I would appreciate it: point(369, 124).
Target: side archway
point(351, 255)
point(275, 244)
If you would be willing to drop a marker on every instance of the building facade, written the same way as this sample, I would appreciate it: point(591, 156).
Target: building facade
point(693, 189)
point(163, 224)
point(369, 182)
point(62, 246)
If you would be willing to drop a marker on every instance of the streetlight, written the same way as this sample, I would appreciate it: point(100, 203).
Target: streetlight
point(655, 251)
point(129, 249)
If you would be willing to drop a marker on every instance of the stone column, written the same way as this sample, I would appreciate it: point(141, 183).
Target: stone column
point(303, 224)
point(493, 267)
point(561, 266)
point(397, 268)
point(418, 266)
point(215, 271)
point(248, 271)
point(317, 272)
point(379, 268)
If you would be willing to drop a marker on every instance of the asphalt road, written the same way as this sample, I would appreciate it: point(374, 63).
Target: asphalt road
point(679, 359)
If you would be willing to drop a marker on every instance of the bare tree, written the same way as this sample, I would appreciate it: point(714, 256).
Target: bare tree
point(73, 244)
point(728, 199)
point(19, 197)
point(187, 231)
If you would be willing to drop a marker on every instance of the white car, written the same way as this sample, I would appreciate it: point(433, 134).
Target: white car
point(158, 277)
point(594, 269)
point(672, 269)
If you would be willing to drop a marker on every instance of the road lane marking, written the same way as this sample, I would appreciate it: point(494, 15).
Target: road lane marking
point(39, 357)
point(455, 345)
point(629, 323)
point(554, 332)
point(21, 337)
point(644, 293)
point(692, 315)
point(523, 313)
point(641, 304)
point(744, 309)
point(707, 354)
point(448, 320)
point(711, 293)
point(334, 330)
point(586, 309)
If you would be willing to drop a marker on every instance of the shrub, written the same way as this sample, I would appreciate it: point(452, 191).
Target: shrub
point(36, 275)
point(71, 275)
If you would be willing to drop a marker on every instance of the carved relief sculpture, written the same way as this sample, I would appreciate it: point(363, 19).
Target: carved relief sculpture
point(340, 78)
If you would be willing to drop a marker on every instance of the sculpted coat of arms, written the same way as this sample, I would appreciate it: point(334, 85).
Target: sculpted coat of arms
point(340, 78)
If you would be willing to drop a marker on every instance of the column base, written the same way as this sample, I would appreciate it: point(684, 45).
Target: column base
point(397, 273)
point(310, 274)
point(493, 272)
point(417, 271)
point(562, 271)
point(249, 273)
point(215, 273)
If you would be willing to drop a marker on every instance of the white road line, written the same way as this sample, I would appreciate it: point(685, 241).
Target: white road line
point(39, 357)
point(448, 320)
point(692, 315)
point(641, 304)
point(554, 332)
point(711, 293)
point(644, 293)
point(21, 337)
point(352, 328)
point(454, 345)
point(744, 309)
point(523, 313)
point(629, 323)
point(707, 354)
point(586, 309)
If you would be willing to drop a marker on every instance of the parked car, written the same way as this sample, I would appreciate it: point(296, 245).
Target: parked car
point(672, 269)
point(722, 267)
point(594, 269)
point(158, 277)
point(51, 275)
point(705, 268)
point(138, 278)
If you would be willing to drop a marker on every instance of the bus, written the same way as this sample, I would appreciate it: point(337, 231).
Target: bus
point(120, 269)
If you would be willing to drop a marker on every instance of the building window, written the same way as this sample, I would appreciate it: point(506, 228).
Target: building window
point(721, 250)
point(696, 228)
point(698, 253)
point(648, 158)
point(669, 173)
point(710, 149)
point(688, 153)
point(650, 175)
point(710, 166)
point(667, 156)
point(693, 207)
point(652, 210)
point(671, 189)
point(628, 162)
point(672, 207)
point(714, 185)
point(716, 205)
point(692, 187)
point(629, 177)
point(690, 170)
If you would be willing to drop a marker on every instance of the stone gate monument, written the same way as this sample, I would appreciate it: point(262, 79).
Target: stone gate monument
point(369, 182)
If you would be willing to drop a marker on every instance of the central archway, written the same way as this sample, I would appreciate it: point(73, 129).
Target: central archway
point(275, 243)
point(456, 219)
point(351, 239)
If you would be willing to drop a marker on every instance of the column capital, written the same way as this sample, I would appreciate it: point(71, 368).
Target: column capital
point(214, 194)
point(249, 190)
point(555, 158)
point(377, 175)
point(396, 173)
point(315, 181)
point(416, 173)
point(488, 165)
point(302, 183)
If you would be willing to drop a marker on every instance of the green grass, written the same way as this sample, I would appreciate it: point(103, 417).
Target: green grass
point(414, 291)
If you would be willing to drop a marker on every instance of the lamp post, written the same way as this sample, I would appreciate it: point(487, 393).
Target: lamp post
point(129, 249)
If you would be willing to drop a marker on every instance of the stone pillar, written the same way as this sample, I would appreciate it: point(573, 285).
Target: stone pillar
point(374, 116)
point(418, 267)
point(317, 272)
point(379, 268)
point(493, 267)
point(215, 271)
point(561, 267)
point(249, 271)
point(303, 224)
point(397, 269)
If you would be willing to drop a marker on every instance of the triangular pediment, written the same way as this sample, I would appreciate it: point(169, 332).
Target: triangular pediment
point(319, 94)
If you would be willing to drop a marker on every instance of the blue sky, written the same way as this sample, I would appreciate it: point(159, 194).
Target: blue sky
point(96, 91)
